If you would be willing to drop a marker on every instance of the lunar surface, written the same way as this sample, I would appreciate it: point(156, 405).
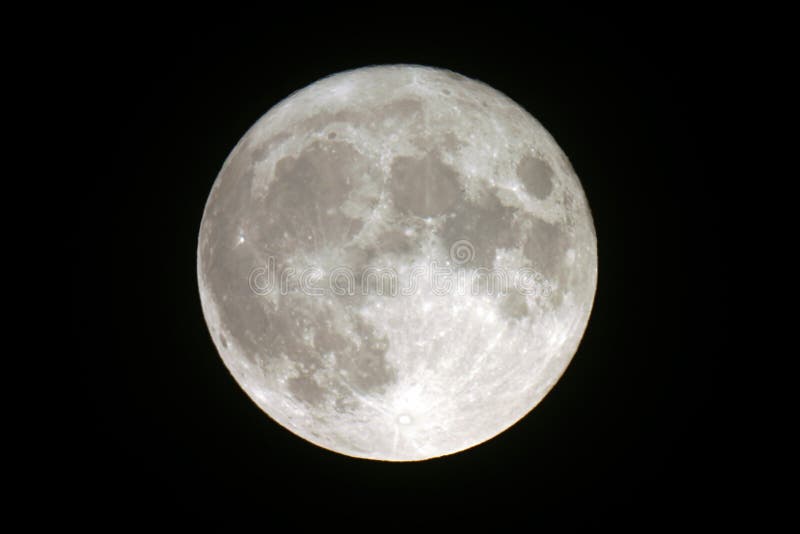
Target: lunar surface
point(397, 263)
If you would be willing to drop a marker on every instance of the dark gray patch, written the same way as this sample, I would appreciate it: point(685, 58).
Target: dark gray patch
point(456, 76)
point(354, 257)
point(282, 331)
point(557, 295)
point(223, 341)
point(258, 332)
point(305, 198)
point(487, 225)
point(514, 305)
point(260, 153)
point(424, 187)
point(546, 247)
point(363, 359)
point(326, 340)
point(344, 404)
point(306, 389)
point(450, 142)
point(446, 91)
point(372, 274)
point(365, 363)
point(391, 242)
point(567, 202)
point(404, 107)
point(332, 135)
point(244, 318)
point(536, 175)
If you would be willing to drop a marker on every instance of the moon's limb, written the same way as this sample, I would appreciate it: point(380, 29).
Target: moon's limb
point(387, 173)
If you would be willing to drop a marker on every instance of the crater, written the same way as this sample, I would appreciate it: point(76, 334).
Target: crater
point(423, 187)
point(536, 175)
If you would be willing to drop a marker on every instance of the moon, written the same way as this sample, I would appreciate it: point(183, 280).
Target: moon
point(397, 262)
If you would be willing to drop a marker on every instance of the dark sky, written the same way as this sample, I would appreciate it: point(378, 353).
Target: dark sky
point(167, 433)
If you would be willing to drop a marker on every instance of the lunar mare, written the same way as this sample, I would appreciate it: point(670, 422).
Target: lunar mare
point(389, 173)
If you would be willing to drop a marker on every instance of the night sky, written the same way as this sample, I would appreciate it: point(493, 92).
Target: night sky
point(166, 433)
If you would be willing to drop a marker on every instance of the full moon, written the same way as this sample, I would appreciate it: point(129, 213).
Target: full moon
point(397, 262)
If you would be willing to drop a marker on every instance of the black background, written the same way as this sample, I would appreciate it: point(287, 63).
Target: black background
point(165, 430)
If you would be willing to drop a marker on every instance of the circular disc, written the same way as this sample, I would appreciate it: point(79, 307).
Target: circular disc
point(397, 262)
